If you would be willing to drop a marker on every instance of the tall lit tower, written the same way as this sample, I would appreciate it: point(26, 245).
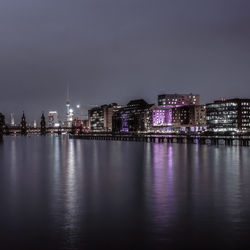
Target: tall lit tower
point(70, 112)
point(12, 121)
point(67, 102)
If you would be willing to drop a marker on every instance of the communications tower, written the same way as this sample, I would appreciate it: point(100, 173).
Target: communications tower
point(69, 111)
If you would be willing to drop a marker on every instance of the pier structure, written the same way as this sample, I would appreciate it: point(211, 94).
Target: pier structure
point(213, 140)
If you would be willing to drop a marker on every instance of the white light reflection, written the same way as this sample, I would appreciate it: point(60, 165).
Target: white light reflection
point(13, 191)
point(70, 186)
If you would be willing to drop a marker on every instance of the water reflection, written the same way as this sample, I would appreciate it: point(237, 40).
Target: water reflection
point(70, 199)
point(163, 189)
point(78, 193)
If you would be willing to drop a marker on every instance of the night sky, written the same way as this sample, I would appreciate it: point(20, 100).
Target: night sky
point(117, 50)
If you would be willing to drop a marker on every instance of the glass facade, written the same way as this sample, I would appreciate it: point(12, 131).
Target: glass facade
point(228, 115)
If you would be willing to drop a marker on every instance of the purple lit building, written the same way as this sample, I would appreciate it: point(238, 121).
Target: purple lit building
point(179, 111)
point(162, 119)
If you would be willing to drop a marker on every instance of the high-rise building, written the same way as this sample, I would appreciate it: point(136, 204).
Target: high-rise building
point(228, 115)
point(53, 119)
point(176, 100)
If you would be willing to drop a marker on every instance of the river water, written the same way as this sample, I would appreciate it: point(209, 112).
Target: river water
point(59, 193)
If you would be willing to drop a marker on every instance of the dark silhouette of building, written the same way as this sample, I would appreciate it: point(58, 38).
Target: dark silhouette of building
point(23, 125)
point(43, 125)
point(183, 116)
point(135, 117)
point(2, 124)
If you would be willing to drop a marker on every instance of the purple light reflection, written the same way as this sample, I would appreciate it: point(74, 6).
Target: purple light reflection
point(163, 186)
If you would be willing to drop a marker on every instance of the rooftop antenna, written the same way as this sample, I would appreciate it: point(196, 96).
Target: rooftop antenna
point(68, 100)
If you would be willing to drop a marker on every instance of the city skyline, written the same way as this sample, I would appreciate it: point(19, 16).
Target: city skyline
point(124, 124)
point(80, 110)
point(114, 52)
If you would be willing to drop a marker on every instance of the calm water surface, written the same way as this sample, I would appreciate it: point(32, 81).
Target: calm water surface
point(57, 193)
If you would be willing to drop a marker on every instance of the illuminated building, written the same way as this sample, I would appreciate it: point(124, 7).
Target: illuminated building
point(228, 115)
point(175, 100)
point(189, 118)
point(100, 118)
point(53, 119)
point(171, 116)
point(137, 116)
point(162, 118)
point(200, 116)
point(81, 126)
point(96, 118)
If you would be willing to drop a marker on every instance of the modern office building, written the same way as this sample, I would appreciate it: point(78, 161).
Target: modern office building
point(176, 100)
point(228, 115)
point(100, 118)
point(137, 116)
point(53, 119)
point(96, 118)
